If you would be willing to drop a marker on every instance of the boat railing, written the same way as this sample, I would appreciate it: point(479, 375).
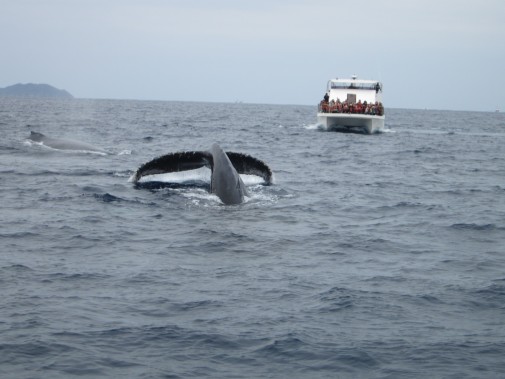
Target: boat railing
point(377, 87)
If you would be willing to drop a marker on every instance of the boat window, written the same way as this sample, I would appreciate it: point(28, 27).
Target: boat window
point(353, 85)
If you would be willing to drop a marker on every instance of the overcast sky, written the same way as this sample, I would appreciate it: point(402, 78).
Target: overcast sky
point(436, 54)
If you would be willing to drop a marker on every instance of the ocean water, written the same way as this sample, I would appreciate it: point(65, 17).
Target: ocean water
point(376, 256)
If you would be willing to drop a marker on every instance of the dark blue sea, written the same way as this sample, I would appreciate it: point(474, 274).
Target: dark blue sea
point(371, 256)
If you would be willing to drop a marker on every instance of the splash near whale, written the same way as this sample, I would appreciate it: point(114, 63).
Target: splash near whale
point(225, 167)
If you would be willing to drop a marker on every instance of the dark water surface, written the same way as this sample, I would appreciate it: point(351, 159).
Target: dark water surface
point(370, 257)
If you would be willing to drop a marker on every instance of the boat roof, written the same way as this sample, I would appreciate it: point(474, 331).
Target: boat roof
point(354, 79)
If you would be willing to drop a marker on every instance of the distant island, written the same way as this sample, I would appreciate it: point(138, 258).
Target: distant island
point(35, 90)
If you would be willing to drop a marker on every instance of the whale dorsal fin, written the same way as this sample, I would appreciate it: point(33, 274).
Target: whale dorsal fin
point(246, 164)
point(174, 162)
point(36, 136)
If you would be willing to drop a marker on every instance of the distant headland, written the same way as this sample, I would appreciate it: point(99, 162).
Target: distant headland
point(35, 90)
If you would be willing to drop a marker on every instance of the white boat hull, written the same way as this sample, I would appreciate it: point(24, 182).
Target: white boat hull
point(351, 122)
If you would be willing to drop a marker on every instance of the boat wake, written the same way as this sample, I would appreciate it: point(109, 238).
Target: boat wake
point(316, 126)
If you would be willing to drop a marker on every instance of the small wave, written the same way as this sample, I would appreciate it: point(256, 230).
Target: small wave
point(288, 346)
point(78, 367)
point(32, 350)
point(424, 150)
point(107, 198)
point(190, 305)
point(386, 279)
point(264, 195)
point(425, 298)
point(122, 174)
point(19, 235)
point(60, 276)
point(490, 297)
point(402, 204)
point(291, 348)
point(7, 148)
point(91, 152)
point(495, 291)
point(335, 299)
point(483, 227)
point(198, 196)
point(17, 268)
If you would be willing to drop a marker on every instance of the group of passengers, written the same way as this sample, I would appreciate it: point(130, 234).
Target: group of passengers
point(333, 106)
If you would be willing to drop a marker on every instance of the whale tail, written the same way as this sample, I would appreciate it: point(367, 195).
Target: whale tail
point(225, 167)
point(192, 160)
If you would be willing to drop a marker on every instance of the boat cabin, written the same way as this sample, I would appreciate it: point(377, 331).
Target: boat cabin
point(353, 90)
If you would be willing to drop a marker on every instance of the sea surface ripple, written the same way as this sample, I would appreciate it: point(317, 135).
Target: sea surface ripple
point(369, 257)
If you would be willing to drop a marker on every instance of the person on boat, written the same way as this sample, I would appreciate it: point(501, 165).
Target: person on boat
point(323, 106)
point(339, 106)
point(324, 103)
point(380, 109)
point(359, 107)
point(345, 107)
point(375, 109)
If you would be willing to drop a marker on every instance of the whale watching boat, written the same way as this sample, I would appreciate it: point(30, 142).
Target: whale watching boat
point(352, 105)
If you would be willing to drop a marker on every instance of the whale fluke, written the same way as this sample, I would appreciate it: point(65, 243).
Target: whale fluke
point(226, 167)
point(248, 165)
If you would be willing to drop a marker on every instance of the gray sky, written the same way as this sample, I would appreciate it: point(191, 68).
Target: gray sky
point(443, 54)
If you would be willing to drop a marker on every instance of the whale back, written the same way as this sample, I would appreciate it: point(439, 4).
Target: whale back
point(63, 144)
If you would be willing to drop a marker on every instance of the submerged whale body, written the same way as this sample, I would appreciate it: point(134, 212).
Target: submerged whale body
point(63, 144)
point(225, 167)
